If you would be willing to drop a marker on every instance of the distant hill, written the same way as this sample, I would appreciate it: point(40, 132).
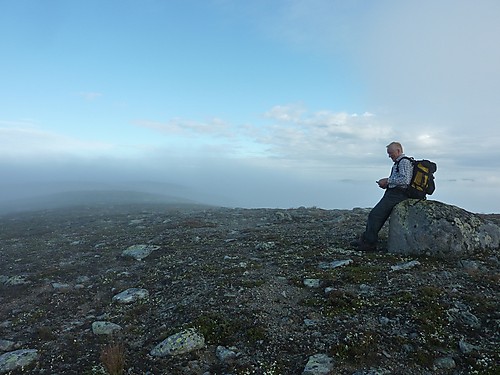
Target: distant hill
point(89, 198)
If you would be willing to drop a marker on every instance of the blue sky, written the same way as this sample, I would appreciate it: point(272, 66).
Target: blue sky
point(281, 103)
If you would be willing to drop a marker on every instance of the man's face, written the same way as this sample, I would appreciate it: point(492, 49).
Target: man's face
point(393, 153)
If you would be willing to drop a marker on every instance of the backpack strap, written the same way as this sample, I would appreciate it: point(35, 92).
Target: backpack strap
point(404, 157)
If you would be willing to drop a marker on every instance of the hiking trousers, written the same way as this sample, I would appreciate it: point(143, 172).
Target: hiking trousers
point(381, 212)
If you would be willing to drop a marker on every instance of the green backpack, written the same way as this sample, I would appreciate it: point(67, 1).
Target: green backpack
point(422, 180)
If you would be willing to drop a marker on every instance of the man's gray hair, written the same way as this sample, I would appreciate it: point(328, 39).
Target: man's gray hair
point(396, 145)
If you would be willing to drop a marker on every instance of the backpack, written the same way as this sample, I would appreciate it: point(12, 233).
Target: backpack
point(422, 179)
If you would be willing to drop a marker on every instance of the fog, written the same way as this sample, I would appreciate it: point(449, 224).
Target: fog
point(224, 184)
point(228, 183)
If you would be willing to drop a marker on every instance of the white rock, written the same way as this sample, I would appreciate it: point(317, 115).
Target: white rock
point(17, 359)
point(82, 279)
point(131, 295)
point(335, 264)
point(224, 354)
point(105, 328)
point(182, 342)
point(329, 289)
point(61, 286)
point(318, 364)
point(405, 266)
point(312, 283)
point(17, 280)
point(139, 252)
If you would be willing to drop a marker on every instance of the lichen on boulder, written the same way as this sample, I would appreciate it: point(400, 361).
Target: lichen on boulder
point(17, 359)
point(440, 230)
point(179, 343)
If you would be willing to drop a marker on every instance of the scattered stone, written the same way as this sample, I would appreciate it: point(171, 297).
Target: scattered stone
point(470, 319)
point(318, 364)
point(405, 265)
point(16, 280)
point(283, 216)
point(105, 328)
point(465, 317)
point(373, 372)
point(131, 295)
point(310, 322)
point(61, 286)
point(82, 279)
point(17, 359)
point(386, 354)
point(139, 252)
point(347, 252)
point(6, 345)
point(365, 289)
point(265, 246)
point(384, 320)
point(446, 363)
point(335, 264)
point(136, 221)
point(469, 265)
point(183, 342)
point(312, 283)
point(329, 289)
point(407, 348)
point(465, 347)
point(224, 354)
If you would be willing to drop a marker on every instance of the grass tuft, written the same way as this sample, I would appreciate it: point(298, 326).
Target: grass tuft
point(113, 358)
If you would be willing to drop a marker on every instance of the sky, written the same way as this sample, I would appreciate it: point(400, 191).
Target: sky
point(262, 103)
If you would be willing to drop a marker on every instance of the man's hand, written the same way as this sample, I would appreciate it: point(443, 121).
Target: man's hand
point(382, 183)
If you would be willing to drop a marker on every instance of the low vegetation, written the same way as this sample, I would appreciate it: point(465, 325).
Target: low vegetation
point(238, 277)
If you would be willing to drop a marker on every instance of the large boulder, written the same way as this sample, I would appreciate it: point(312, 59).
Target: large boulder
point(424, 227)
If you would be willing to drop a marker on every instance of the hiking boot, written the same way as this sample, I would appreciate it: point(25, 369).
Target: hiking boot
point(361, 245)
point(367, 247)
point(356, 243)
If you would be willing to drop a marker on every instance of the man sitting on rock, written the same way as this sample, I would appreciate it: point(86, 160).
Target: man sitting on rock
point(395, 191)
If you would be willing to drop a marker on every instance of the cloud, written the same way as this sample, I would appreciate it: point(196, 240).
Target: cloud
point(323, 135)
point(177, 126)
point(288, 133)
point(287, 113)
point(90, 95)
point(435, 59)
point(418, 61)
point(27, 141)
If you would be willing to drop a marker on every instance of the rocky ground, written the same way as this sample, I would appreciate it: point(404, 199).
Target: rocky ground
point(267, 290)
